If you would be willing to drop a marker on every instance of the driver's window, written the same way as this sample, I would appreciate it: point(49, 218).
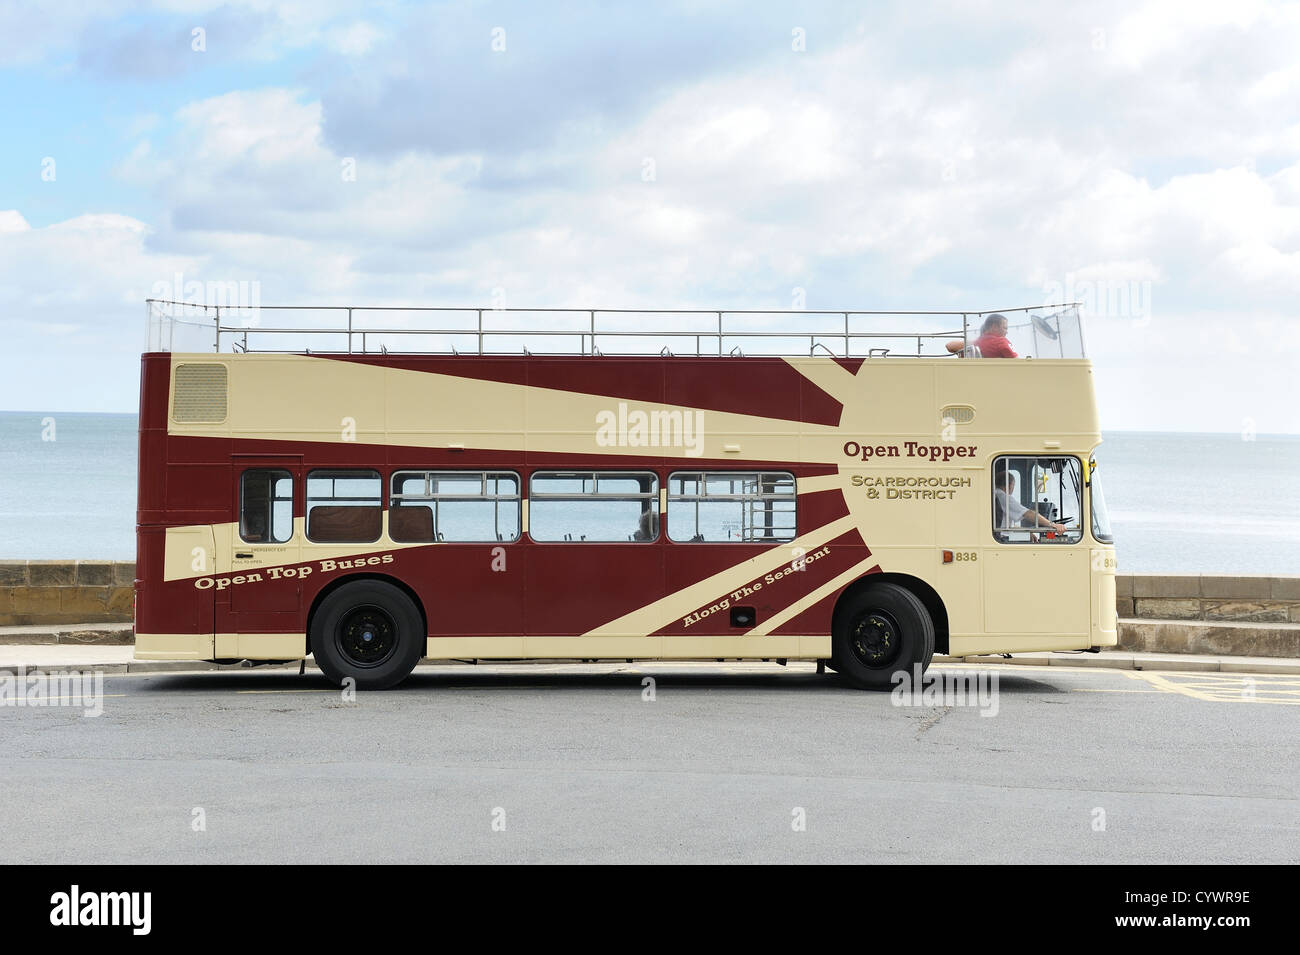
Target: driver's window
point(1036, 499)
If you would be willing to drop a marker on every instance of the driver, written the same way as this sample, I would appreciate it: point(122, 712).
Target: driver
point(993, 341)
point(1013, 512)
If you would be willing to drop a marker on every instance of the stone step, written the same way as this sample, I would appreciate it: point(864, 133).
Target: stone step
point(1214, 638)
point(74, 634)
point(1208, 586)
point(1214, 609)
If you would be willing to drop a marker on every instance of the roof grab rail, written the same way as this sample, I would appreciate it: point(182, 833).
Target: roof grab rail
point(779, 332)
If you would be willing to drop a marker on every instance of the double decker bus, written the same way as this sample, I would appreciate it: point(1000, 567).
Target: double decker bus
point(373, 487)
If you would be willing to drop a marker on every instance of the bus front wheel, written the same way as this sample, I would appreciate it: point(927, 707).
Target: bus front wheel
point(883, 630)
point(369, 631)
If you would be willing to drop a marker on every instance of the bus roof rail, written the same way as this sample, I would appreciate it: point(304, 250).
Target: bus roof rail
point(1051, 331)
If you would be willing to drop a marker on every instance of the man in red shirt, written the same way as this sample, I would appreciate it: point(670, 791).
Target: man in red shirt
point(992, 342)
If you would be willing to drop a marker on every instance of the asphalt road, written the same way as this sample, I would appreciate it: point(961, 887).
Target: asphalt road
point(546, 763)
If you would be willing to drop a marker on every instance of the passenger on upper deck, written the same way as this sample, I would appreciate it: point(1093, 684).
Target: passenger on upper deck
point(992, 342)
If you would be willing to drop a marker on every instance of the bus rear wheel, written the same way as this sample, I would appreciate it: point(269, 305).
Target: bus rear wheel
point(369, 631)
point(883, 630)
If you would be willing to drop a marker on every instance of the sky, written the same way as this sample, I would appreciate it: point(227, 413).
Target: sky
point(1140, 157)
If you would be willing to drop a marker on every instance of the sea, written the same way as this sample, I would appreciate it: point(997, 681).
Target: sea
point(1179, 503)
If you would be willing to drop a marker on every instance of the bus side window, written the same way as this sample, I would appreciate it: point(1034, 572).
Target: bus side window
point(265, 506)
point(594, 506)
point(731, 506)
point(454, 506)
point(344, 506)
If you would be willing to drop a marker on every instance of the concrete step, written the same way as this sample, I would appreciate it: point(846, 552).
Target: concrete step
point(1210, 637)
point(1123, 660)
point(76, 634)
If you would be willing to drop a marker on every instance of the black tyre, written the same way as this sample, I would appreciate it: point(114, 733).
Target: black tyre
point(881, 631)
point(370, 631)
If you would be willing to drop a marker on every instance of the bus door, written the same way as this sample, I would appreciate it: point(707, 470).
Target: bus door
point(258, 545)
point(1036, 569)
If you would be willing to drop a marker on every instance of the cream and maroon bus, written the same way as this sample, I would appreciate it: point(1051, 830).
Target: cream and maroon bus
point(377, 486)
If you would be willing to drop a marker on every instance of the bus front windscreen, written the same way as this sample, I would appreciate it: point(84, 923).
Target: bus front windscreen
point(1100, 518)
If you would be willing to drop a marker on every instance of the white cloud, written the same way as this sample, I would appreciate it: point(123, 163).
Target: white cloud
point(1164, 26)
point(11, 220)
point(39, 32)
point(354, 39)
point(72, 305)
point(863, 179)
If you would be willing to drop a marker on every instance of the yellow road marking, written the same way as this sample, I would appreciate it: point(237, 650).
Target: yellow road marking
point(1097, 690)
point(1221, 687)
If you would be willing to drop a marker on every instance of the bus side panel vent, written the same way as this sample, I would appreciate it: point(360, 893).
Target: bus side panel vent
point(958, 414)
point(200, 396)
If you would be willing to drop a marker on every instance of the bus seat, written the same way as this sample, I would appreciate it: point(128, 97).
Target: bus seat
point(411, 522)
point(343, 525)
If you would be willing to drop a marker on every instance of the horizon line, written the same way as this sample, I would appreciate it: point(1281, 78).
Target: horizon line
point(1267, 434)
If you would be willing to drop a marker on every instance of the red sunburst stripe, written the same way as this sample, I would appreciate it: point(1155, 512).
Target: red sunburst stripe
point(845, 551)
point(762, 386)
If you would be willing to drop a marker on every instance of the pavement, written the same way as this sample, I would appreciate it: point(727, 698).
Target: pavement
point(120, 659)
point(108, 647)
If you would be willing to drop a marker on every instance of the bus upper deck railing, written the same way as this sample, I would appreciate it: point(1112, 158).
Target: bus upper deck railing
point(1053, 331)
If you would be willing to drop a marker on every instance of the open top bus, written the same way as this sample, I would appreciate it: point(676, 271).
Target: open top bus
point(374, 486)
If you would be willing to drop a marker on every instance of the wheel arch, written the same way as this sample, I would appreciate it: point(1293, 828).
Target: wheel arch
point(334, 585)
point(928, 596)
